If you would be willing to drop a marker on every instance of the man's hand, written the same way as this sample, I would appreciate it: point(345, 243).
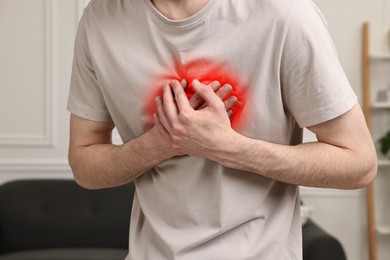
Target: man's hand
point(197, 102)
point(190, 129)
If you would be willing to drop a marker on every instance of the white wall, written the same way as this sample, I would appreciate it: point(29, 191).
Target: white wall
point(36, 49)
point(343, 213)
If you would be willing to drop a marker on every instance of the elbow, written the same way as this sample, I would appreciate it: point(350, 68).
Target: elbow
point(367, 174)
point(79, 174)
point(84, 184)
point(370, 175)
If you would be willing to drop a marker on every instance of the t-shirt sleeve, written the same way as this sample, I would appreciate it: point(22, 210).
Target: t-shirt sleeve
point(85, 96)
point(314, 86)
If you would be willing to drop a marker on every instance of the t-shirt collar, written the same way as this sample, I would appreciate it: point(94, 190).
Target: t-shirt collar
point(188, 22)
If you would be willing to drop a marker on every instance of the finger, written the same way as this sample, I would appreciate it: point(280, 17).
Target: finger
point(197, 102)
point(230, 113)
point(215, 85)
point(180, 96)
point(207, 94)
point(222, 93)
point(162, 117)
point(230, 102)
point(168, 103)
point(184, 83)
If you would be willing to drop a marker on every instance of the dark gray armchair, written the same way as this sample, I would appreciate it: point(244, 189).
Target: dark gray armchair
point(319, 244)
point(57, 219)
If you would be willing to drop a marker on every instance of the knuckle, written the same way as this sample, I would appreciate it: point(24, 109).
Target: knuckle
point(185, 117)
point(224, 91)
point(177, 130)
point(176, 140)
point(220, 105)
point(165, 106)
point(230, 102)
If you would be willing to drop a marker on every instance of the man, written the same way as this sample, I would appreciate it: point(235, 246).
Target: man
point(210, 98)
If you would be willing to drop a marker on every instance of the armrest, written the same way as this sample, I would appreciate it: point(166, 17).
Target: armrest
point(319, 245)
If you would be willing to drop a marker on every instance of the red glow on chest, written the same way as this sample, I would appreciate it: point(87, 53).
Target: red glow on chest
point(206, 72)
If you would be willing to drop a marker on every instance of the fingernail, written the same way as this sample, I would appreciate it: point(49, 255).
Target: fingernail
point(230, 112)
point(215, 84)
point(184, 82)
point(228, 87)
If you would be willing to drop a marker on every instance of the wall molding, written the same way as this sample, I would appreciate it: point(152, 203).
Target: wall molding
point(34, 166)
point(47, 138)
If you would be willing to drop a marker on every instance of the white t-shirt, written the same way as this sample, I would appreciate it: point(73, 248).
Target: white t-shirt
point(281, 61)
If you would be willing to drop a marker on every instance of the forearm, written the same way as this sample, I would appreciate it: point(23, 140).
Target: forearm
point(344, 156)
point(107, 165)
point(311, 164)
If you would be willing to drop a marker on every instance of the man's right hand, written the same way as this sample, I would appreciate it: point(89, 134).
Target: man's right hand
point(197, 103)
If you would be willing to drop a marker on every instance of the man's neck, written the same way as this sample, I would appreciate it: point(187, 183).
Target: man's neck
point(178, 9)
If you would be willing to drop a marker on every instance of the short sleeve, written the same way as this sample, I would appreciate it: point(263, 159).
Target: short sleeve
point(314, 85)
point(85, 96)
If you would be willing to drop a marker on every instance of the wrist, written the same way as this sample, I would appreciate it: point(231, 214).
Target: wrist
point(157, 146)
